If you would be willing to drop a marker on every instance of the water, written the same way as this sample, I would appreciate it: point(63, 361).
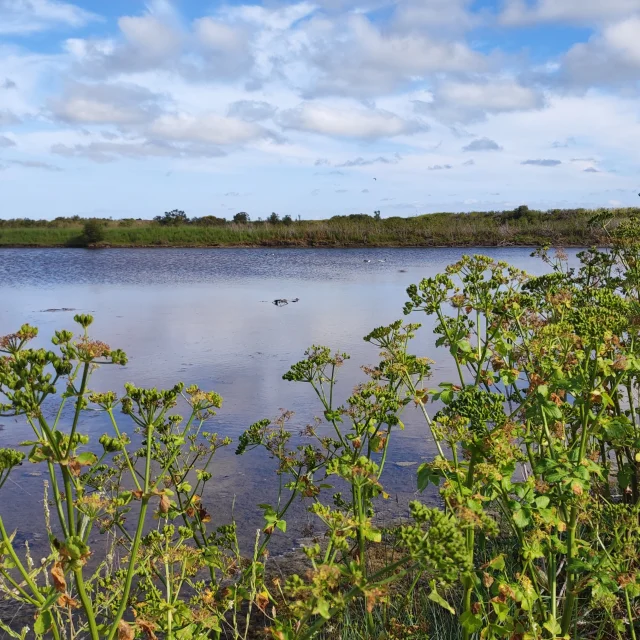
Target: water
point(206, 316)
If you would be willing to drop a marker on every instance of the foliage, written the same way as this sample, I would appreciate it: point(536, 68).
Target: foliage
point(241, 218)
point(537, 466)
point(209, 221)
point(558, 227)
point(172, 218)
point(93, 232)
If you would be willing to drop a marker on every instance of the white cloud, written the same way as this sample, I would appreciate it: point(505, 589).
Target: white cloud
point(137, 149)
point(350, 82)
point(208, 128)
point(150, 37)
point(225, 49)
point(218, 36)
point(22, 17)
point(8, 118)
point(519, 12)
point(435, 14)
point(150, 41)
point(34, 164)
point(356, 58)
point(107, 104)
point(6, 142)
point(251, 110)
point(482, 144)
point(347, 122)
point(542, 163)
point(278, 19)
point(610, 58)
point(456, 101)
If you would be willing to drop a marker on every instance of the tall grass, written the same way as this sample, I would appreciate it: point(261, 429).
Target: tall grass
point(507, 228)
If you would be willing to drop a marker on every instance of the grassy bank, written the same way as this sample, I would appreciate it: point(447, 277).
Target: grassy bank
point(504, 228)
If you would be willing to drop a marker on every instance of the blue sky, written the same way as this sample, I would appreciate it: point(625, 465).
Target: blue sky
point(128, 108)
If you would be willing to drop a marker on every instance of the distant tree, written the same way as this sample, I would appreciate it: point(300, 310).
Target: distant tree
point(521, 211)
point(209, 221)
point(274, 218)
point(172, 218)
point(376, 215)
point(93, 231)
point(287, 220)
point(241, 218)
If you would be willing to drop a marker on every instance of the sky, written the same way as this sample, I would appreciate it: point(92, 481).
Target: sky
point(125, 108)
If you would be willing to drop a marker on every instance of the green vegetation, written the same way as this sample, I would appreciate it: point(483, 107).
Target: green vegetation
point(521, 226)
point(535, 537)
point(93, 232)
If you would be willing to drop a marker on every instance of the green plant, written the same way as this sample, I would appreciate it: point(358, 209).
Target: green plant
point(537, 466)
point(93, 231)
point(136, 584)
point(241, 218)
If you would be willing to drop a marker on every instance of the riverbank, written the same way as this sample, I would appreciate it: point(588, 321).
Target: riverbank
point(520, 227)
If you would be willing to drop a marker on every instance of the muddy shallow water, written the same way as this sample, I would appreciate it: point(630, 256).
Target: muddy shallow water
point(207, 317)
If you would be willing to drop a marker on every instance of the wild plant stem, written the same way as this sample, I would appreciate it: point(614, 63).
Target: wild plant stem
point(136, 540)
point(86, 605)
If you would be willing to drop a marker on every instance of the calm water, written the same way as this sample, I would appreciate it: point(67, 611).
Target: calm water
point(205, 317)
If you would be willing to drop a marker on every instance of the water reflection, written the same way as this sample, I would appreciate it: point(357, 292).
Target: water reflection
point(205, 317)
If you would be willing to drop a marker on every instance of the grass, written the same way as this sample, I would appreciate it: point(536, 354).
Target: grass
point(505, 228)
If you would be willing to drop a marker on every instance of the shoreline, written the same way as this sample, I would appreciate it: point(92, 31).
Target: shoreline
point(299, 246)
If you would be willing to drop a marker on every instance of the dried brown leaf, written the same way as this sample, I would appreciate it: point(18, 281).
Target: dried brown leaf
point(57, 574)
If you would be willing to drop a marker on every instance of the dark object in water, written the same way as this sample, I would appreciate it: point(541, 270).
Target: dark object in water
point(56, 310)
point(280, 302)
point(403, 271)
point(296, 300)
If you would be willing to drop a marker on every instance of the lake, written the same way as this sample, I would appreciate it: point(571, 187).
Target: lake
point(206, 316)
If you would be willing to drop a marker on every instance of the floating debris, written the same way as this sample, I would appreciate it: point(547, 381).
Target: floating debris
point(280, 302)
point(403, 271)
point(57, 310)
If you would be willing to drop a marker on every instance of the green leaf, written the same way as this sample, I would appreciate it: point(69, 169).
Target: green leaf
point(87, 458)
point(464, 345)
point(373, 535)
point(434, 596)
point(186, 633)
point(542, 502)
point(497, 563)
point(470, 622)
point(282, 525)
point(520, 518)
point(543, 391)
point(322, 608)
point(427, 476)
point(552, 626)
point(43, 623)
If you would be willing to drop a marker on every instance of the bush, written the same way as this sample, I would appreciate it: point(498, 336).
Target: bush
point(209, 221)
point(172, 218)
point(93, 232)
point(241, 218)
